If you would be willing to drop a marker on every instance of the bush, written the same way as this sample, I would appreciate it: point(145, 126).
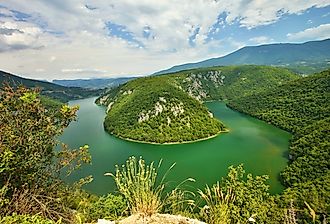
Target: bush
point(145, 193)
point(30, 168)
point(110, 207)
point(26, 219)
point(236, 199)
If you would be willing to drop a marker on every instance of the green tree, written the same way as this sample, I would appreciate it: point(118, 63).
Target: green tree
point(237, 199)
point(30, 167)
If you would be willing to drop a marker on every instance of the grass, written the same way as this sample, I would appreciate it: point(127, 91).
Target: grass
point(138, 183)
point(218, 201)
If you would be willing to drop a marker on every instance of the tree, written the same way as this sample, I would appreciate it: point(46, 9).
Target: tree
point(30, 167)
point(237, 198)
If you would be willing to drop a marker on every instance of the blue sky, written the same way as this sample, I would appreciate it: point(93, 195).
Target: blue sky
point(107, 38)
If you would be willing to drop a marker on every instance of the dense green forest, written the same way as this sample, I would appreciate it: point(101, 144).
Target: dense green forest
point(302, 107)
point(153, 109)
point(299, 105)
point(229, 82)
point(50, 90)
point(31, 190)
point(169, 108)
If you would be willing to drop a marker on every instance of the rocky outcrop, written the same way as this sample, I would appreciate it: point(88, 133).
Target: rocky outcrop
point(162, 106)
point(197, 85)
point(153, 219)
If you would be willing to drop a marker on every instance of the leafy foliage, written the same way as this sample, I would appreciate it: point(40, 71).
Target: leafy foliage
point(139, 183)
point(26, 219)
point(301, 107)
point(155, 110)
point(168, 108)
point(236, 199)
point(110, 207)
point(30, 168)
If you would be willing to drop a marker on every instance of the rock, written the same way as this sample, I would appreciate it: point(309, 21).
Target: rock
point(109, 106)
point(103, 221)
point(159, 218)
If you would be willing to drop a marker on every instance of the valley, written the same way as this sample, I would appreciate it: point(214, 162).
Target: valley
point(261, 147)
point(50, 91)
point(165, 112)
point(168, 108)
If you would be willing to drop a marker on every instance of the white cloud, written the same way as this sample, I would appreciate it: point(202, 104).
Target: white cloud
point(316, 33)
point(18, 35)
point(6, 12)
point(260, 40)
point(264, 12)
point(62, 35)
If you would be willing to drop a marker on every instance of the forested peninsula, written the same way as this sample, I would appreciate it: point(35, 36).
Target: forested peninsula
point(169, 108)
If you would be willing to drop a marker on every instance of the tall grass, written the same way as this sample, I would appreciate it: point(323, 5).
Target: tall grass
point(218, 201)
point(138, 183)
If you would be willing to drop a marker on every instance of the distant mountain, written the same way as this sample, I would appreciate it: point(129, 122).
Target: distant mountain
point(303, 58)
point(93, 83)
point(52, 90)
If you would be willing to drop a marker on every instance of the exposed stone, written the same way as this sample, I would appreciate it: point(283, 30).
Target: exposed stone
point(129, 92)
point(103, 221)
point(144, 116)
point(109, 106)
point(103, 99)
point(177, 109)
point(162, 99)
point(161, 107)
point(168, 121)
point(158, 108)
point(159, 218)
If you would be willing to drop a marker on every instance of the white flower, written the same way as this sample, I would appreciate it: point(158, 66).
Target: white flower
point(251, 219)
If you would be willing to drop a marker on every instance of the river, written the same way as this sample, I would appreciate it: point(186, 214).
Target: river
point(259, 146)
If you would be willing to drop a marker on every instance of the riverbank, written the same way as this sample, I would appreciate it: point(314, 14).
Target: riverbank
point(256, 144)
point(170, 143)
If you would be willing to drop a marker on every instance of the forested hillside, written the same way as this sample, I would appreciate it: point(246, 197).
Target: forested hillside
point(169, 108)
point(54, 91)
point(229, 82)
point(156, 110)
point(302, 107)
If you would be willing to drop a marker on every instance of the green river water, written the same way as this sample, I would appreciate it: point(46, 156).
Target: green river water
point(259, 146)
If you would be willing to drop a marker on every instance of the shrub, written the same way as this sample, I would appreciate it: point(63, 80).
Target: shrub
point(30, 168)
point(110, 207)
point(236, 199)
point(26, 219)
point(144, 193)
point(137, 183)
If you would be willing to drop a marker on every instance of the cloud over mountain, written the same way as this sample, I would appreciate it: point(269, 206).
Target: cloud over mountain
point(149, 35)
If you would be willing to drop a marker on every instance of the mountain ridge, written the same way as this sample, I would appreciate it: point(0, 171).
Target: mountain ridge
point(307, 57)
point(168, 108)
point(93, 83)
point(49, 89)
